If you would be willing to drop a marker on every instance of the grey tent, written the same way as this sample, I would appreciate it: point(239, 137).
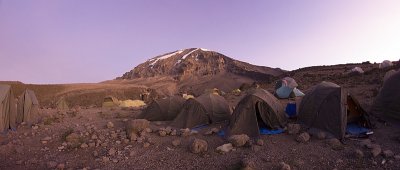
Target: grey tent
point(62, 104)
point(327, 107)
point(205, 109)
point(257, 109)
point(8, 112)
point(287, 88)
point(28, 108)
point(165, 109)
point(323, 108)
point(388, 100)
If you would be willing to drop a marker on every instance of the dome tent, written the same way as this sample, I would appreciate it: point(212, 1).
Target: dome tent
point(387, 101)
point(327, 107)
point(8, 112)
point(287, 88)
point(205, 109)
point(385, 64)
point(28, 108)
point(257, 109)
point(165, 109)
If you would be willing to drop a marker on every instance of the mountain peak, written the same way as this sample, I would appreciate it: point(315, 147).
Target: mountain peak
point(196, 62)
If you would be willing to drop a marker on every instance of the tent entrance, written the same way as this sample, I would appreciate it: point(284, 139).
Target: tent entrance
point(260, 121)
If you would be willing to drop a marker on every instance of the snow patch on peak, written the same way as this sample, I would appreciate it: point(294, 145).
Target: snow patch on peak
point(189, 53)
point(203, 49)
point(155, 60)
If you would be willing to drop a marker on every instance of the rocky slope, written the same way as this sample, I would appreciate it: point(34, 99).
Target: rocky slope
point(196, 69)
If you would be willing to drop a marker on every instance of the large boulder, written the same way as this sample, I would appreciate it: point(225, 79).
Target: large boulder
point(303, 137)
point(225, 148)
point(293, 128)
point(198, 146)
point(239, 140)
point(136, 126)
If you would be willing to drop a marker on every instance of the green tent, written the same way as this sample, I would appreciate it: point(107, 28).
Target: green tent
point(28, 108)
point(387, 102)
point(257, 109)
point(165, 109)
point(8, 112)
point(205, 109)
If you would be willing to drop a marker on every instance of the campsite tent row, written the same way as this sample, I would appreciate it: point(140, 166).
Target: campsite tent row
point(326, 107)
point(11, 115)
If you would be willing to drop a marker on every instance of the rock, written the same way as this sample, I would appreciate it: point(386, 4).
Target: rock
point(321, 135)
point(146, 144)
point(162, 133)
point(388, 154)
point(94, 137)
point(176, 142)
point(293, 128)
point(84, 145)
point(132, 153)
point(133, 137)
point(225, 148)
point(106, 159)
point(92, 144)
point(46, 138)
point(35, 127)
point(260, 142)
point(73, 138)
point(194, 132)
point(51, 164)
point(358, 153)
point(376, 151)
point(284, 166)
point(173, 133)
point(335, 144)
point(198, 146)
point(61, 166)
point(112, 152)
point(247, 163)
point(365, 143)
point(136, 126)
point(255, 148)
point(239, 140)
point(95, 154)
point(371, 146)
point(110, 125)
point(148, 130)
point(19, 162)
point(168, 130)
point(185, 132)
point(303, 137)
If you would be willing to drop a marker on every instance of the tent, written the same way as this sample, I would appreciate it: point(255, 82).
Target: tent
point(165, 109)
point(62, 104)
point(388, 74)
point(132, 103)
point(327, 107)
point(286, 88)
point(28, 108)
point(257, 110)
point(110, 101)
point(357, 70)
point(385, 64)
point(388, 100)
point(8, 112)
point(205, 109)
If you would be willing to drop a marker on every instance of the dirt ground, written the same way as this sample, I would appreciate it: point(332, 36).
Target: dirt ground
point(43, 146)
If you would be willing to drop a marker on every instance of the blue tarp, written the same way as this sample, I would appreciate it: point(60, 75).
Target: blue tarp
point(263, 131)
point(355, 129)
point(291, 109)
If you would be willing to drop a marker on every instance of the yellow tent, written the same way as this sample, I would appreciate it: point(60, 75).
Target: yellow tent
point(132, 103)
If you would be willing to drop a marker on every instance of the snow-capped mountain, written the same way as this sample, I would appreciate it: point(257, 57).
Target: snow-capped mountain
point(195, 62)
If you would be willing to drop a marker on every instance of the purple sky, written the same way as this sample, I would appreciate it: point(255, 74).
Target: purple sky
point(70, 41)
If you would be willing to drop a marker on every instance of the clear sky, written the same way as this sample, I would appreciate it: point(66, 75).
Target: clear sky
point(71, 41)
